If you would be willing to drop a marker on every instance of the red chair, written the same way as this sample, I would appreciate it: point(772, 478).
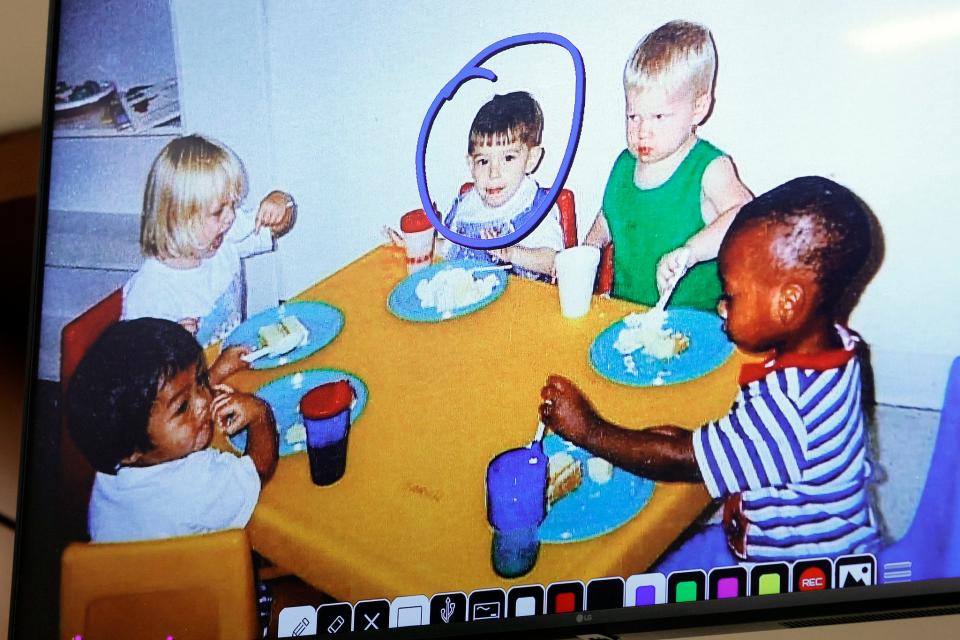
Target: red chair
point(76, 474)
point(605, 273)
point(568, 214)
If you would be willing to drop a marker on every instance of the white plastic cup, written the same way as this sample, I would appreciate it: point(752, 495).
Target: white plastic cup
point(576, 272)
point(418, 234)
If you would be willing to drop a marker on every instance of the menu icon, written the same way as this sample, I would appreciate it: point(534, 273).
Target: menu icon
point(487, 604)
point(448, 608)
point(856, 571)
point(686, 586)
point(645, 589)
point(297, 621)
point(333, 619)
point(728, 582)
point(605, 593)
point(812, 575)
point(409, 611)
point(525, 601)
point(371, 615)
point(565, 597)
point(770, 579)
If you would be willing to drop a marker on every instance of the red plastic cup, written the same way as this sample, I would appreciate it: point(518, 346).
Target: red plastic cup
point(418, 234)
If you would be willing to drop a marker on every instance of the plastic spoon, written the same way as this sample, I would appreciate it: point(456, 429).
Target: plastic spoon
point(284, 346)
point(500, 267)
point(665, 296)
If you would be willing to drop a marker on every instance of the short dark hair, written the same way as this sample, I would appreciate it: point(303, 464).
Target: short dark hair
point(506, 118)
point(822, 226)
point(112, 392)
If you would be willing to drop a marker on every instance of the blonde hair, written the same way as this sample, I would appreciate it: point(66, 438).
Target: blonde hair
point(190, 175)
point(677, 55)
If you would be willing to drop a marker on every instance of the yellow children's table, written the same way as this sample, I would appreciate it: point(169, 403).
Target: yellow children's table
point(409, 515)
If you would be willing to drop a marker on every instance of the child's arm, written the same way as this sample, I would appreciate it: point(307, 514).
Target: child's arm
point(661, 453)
point(539, 259)
point(599, 234)
point(723, 194)
point(232, 412)
point(228, 363)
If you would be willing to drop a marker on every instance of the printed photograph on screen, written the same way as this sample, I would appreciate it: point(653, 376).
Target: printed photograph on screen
point(414, 317)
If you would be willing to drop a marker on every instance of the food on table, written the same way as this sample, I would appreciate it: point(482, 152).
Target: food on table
point(599, 470)
point(283, 334)
point(296, 434)
point(565, 474)
point(646, 332)
point(451, 289)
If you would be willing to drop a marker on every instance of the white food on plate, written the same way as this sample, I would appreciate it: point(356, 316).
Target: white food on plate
point(283, 336)
point(296, 434)
point(646, 332)
point(599, 470)
point(451, 289)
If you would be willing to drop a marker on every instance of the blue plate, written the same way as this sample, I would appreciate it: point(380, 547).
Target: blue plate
point(592, 509)
point(404, 303)
point(709, 348)
point(284, 394)
point(323, 321)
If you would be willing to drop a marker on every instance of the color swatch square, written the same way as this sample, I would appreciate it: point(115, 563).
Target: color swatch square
point(646, 595)
point(728, 588)
point(686, 591)
point(565, 602)
point(769, 584)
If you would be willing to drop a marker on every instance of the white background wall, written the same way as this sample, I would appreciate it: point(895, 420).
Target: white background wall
point(326, 100)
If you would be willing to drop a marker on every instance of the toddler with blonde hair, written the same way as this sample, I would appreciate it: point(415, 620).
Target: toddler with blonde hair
point(193, 238)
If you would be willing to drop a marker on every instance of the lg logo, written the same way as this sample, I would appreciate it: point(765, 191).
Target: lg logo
point(584, 617)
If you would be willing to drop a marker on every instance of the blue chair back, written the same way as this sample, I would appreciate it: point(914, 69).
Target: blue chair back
point(932, 544)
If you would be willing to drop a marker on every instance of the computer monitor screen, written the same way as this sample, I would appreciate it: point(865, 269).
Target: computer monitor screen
point(434, 319)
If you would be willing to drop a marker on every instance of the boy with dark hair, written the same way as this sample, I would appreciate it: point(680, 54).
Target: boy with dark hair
point(790, 458)
point(503, 150)
point(141, 409)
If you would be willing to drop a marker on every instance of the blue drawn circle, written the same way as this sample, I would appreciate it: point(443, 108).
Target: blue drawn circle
point(471, 71)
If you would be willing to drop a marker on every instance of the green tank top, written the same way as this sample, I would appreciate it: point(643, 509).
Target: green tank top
point(647, 223)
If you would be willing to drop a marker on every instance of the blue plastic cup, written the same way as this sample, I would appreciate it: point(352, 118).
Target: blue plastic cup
point(326, 416)
point(516, 506)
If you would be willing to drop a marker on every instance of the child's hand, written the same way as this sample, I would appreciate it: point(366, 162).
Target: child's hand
point(233, 411)
point(566, 411)
point(228, 363)
point(672, 267)
point(276, 213)
point(190, 324)
point(393, 237)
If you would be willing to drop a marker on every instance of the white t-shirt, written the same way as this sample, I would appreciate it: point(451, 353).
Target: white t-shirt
point(206, 491)
point(214, 291)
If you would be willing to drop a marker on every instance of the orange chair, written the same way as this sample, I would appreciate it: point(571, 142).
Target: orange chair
point(76, 474)
point(192, 587)
point(568, 214)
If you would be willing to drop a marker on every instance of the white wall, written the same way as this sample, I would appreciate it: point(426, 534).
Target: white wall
point(350, 83)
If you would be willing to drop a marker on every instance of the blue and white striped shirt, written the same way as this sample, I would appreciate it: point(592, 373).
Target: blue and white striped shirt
point(794, 446)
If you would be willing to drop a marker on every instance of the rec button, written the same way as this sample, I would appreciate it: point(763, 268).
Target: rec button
point(812, 575)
